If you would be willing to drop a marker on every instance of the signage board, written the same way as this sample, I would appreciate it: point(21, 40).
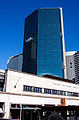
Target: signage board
point(63, 101)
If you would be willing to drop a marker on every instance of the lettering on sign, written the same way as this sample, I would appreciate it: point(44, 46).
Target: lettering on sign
point(29, 39)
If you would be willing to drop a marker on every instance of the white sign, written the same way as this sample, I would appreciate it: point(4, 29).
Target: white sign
point(29, 39)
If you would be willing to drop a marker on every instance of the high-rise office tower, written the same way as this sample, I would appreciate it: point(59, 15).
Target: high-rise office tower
point(76, 61)
point(70, 65)
point(44, 49)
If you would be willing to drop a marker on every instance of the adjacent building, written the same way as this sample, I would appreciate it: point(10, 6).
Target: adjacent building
point(70, 65)
point(44, 49)
point(15, 62)
point(76, 61)
point(2, 79)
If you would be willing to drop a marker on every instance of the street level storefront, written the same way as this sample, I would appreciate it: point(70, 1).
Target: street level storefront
point(32, 112)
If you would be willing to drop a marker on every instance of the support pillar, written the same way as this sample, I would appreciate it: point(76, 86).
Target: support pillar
point(38, 117)
point(7, 110)
point(31, 115)
point(75, 115)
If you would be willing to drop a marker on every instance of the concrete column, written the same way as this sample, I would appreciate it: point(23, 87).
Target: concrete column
point(21, 112)
point(7, 110)
point(31, 115)
point(75, 116)
point(38, 117)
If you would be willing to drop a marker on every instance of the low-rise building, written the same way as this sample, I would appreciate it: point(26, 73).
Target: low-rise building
point(26, 95)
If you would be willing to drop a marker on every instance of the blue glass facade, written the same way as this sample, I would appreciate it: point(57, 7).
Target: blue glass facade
point(46, 46)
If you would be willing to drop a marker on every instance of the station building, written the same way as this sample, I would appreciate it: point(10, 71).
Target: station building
point(31, 97)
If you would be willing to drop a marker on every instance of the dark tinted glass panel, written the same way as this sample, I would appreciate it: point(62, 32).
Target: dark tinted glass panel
point(29, 48)
point(69, 93)
point(27, 88)
point(36, 89)
point(55, 92)
point(62, 93)
point(48, 91)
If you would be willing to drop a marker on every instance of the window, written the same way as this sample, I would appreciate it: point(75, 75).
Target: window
point(75, 94)
point(56, 92)
point(27, 88)
point(70, 65)
point(69, 93)
point(62, 93)
point(48, 91)
point(36, 89)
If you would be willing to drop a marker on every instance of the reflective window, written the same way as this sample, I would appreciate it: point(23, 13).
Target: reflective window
point(62, 93)
point(55, 92)
point(69, 93)
point(27, 88)
point(76, 94)
point(48, 91)
point(36, 89)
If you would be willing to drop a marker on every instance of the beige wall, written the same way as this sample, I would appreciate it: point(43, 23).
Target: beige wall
point(19, 79)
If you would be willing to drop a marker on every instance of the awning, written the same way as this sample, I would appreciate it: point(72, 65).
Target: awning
point(31, 108)
point(28, 108)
